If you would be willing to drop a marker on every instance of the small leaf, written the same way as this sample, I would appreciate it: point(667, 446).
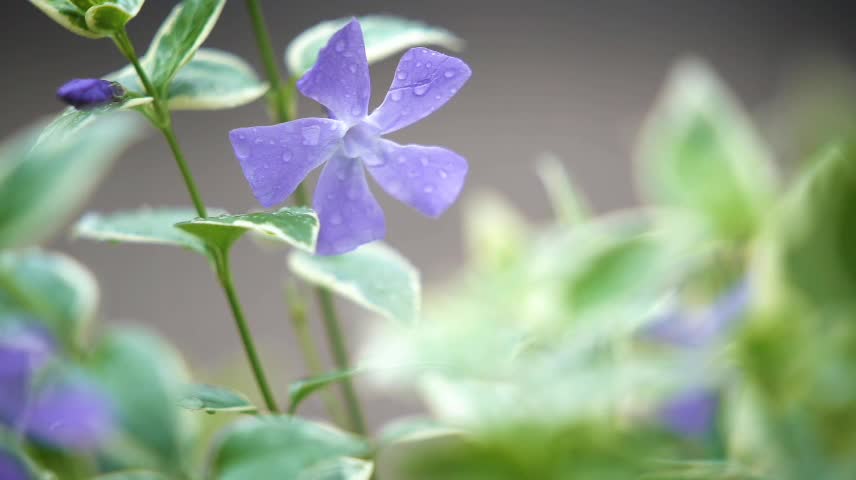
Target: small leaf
point(701, 152)
point(416, 429)
point(44, 178)
point(107, 19)
point(569, 206)
point(344, 468)
point(375, 276)
point(296, 226)
point(90, 18)
point(178, 39)
point(51, 288)
point(67, 14)
point(71, 119)
point(213, 399)
point(302, 389)
point(212, 80)
point(144, 377)
point(132, 475)
point(146, 225)
point(384, 36)
point(280, 447)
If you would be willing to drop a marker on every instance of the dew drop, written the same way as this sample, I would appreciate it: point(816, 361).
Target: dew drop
point(340, 46)
point(311, 134)
point(423, 161)
point(402, 159)
point(242, 151)
point(336, 219)
point(395, 95)
point(428, 189)
point(271, 142)
point(449, 73)
point(259, 141)
point(453, 91)
point(428, 65)
point(401, 75)
point(352, 68)
point(340, 175)
point(418, 64)
point(413, 173)
point(286, 156)
point(356, 110)
point(437, 97)
point(420, 90)
point(443, 174)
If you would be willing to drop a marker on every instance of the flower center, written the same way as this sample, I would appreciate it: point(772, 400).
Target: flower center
point(361, 141)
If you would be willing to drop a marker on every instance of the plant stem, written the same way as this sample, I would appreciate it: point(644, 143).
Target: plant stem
point(224, 274)
point(285, 110)
point(162, 119)
point(340, 358)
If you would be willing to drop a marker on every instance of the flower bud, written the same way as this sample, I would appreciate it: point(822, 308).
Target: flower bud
point(83, 93)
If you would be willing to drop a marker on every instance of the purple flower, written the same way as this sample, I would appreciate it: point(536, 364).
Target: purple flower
point(691, 413)
point(12, 468)
point(83, 93)
point(58, 410)
point(276, 159)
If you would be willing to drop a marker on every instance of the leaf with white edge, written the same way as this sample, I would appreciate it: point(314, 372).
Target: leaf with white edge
point(178, 39)
point(146, 225)
point(71, 119)
point(296, 226)
point(374, 276)
point(132, 475)
point(384, 36)
point(67, 14)
point(300, 390)
point(280, 447)
point(212, 80)
point(700, 151)
point(45, 178)
point(569, 207)
point(90, 18)
point(344, 468)
point(51, 288)
point(144, 377)
point(415, 429)
point(211, 399)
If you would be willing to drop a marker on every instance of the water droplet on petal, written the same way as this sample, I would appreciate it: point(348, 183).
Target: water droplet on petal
point(420, 90)
point(340, 175)
point(242, 151)
point(423, 161)
point(395, 95)
point(271, 142)
point(352, 68)
point(356, 110)
point(413, 173)
point(311, 134)
point(453, 91)
point(402, 159)
point(286, 156)
point(259, 141)
point(449, 73)
point(443, 174)
point(401, 75)
point(428, 65)
point(418, 64)
point(428, 189)
point(340, 46)
point(336, 219)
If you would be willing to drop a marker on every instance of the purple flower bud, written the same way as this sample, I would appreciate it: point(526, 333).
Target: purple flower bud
point(83, 93)
point(692, 413)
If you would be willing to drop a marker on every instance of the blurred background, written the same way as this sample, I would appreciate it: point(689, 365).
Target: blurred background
point(571, 77)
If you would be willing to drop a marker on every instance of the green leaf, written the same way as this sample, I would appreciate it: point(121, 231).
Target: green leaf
point(90, 18)
point(212, 80)
point(213, 399)
point(146, 225)
point(569, 206)
point(496, 234)
point(145, 378)
point(302, 389)
point(384, 36)
point(67, 123)
point(44, 178)
point(51, 288)
point(344, 468)
point(280, 447)
point(817, 231)
point(296, 226)
point(132, 475)
point(178, 39)
point(700, 152)
point(374, 276)
point(415, 429)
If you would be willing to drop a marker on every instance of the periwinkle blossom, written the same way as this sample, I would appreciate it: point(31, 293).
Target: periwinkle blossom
point(84, 93)
point(276, 159)
point(61, 411)
point(12, 467)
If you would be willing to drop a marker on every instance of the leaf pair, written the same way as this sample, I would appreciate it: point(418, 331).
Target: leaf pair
point(90, 18)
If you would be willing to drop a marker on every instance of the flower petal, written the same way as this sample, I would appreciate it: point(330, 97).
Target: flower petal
point(68, 414)
point(424, 81)
point(340, 78)
point(349, 214)
point(428, 179)
point(277, 158)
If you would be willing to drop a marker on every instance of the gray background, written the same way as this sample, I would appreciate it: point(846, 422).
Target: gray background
point(572, 77)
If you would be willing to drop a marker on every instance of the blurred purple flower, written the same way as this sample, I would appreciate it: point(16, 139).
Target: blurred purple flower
point(57, 410)
point(691, 413)
point(83, 93)
point(12, 468)
point(276, 159)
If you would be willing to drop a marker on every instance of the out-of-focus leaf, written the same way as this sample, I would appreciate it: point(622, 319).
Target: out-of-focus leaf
point(43, 182)
point(700, 152)
point(339, 469)
point(569, 206)
point(279, 447)
point(496, 233)
point(384, 36)
point(295, 226)
point(374, 276)
point(213, 399)
point(178, 39)
point(144, 376)
point(50, 288)
point(146, 225)
point(301, 389)
point(416, 429)
point(133, 475)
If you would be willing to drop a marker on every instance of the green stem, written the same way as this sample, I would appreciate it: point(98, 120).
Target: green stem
point(224, 274)
point(340, 358)
point(285, 110)
point(297, 313)
point(163, 121)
